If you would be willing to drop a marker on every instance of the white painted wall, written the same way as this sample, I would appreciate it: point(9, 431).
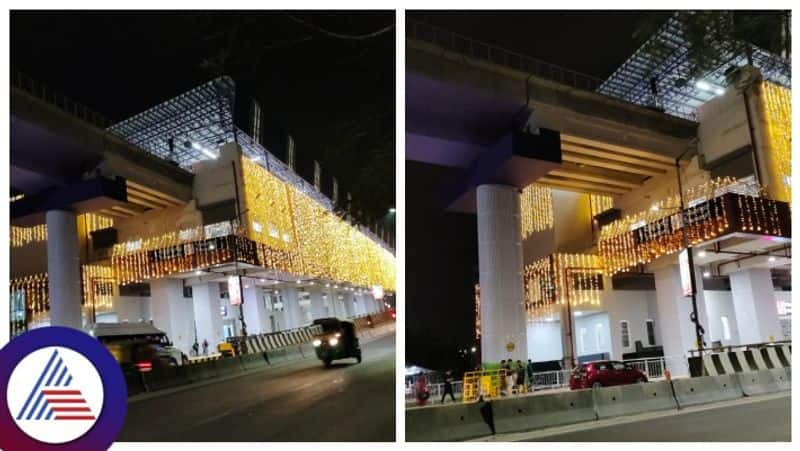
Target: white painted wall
point(544, 341)
point(592, 334)
point(719, 304)
point(636, 307)
point(132, 309)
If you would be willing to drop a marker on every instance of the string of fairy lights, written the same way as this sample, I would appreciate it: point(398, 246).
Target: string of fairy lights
point(282, 228)
point(561, 278)
point(30, 298)
point(778, 118)
point(642, 237)
point(599, 203)
point(536, 209)
point(22, 236)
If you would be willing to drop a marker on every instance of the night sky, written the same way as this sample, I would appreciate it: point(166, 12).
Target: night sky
point(334, 95)
point(441, 248)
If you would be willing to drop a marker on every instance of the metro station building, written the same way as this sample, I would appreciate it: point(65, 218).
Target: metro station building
point(588, 192)
point(178, 217)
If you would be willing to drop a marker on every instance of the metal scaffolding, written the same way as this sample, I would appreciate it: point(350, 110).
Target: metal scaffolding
point(664, 60)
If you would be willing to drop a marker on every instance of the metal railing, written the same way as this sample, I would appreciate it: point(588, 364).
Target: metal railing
point(59, 100)
point(482, 51)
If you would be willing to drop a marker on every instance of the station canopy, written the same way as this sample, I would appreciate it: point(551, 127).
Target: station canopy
point(192, 127)
point(665, 58)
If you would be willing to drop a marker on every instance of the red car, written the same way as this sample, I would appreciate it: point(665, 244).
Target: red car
point(604, 373)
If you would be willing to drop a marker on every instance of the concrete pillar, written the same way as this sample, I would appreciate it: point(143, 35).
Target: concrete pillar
point(361, 301)
point(173, 313)
point(675, 327)
point(318, 309)
point(291, 308)
point(500, 264)
point(568, 339)
point(755, 306)
point(349, 308)
point(63, 269)
point(207, 315)
point(255, 310)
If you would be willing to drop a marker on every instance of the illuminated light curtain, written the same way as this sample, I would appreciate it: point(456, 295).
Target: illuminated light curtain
point(559, 279)
point(98, 287)
point(292, 233)
point(641, 238)
point(267, 206)
point(33, 289)
point(536, 209)
point(21, 236)
point(777, 114)
point(599, 203)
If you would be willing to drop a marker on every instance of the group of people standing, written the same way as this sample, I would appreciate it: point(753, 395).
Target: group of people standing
point(517, 378)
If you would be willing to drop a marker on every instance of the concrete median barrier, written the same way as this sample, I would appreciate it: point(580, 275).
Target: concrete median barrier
point(227, 366)
point(253, 361)
point(202, 371)
point(166, 377)
point(625, 400)
point(447, 423)
point(703, 390)
point(757, 383)
point(783, 378)
point(527, 413)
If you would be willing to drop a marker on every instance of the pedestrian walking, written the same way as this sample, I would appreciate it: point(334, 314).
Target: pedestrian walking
point(520, 375)
point(502, 377)
point(421, 390)
point(529, 370)
point(448, 386)
point(195, 349)
point(205, 347)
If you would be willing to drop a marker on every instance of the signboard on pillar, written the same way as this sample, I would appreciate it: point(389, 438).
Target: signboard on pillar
point(686, 273)
point(235, 290)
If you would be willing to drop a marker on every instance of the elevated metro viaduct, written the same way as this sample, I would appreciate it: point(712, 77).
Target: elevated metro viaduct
point(547, 166)
point(106, 227)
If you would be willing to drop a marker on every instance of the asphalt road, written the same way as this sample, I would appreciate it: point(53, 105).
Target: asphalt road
point(302, 401)
point(765, 420)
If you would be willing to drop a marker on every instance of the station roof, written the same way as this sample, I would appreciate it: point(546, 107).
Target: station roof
point(199, 122)
point(665, 57)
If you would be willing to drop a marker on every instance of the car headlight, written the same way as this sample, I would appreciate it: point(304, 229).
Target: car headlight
point(333, 341)
point(317, 342)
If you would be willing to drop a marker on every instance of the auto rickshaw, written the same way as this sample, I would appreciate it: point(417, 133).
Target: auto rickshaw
point(337, 340)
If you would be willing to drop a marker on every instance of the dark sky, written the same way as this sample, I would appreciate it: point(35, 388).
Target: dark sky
point(441, 248)
point(335, 95)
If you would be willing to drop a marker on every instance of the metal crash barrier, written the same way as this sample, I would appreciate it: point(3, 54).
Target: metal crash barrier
point(488, 384)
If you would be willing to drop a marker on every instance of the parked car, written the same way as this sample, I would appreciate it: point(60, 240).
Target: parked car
point(604, 373)
point(138, 346)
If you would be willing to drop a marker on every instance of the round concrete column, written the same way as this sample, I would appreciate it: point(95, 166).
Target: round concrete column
point(503, 316)
point(63, 269)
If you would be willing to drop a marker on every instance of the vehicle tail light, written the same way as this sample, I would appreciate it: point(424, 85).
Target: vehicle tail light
point(144, 367)
point(394, 315)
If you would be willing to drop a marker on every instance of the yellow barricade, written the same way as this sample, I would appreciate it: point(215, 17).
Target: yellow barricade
point(485, 383)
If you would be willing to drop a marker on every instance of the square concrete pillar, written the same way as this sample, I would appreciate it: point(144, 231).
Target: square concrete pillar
point(255, 310)
point(63, 269)
point(207, 315)
point(755, 306)
point(173, 313)
point(675, 328)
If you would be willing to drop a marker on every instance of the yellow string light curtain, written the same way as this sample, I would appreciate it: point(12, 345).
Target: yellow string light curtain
point(33, 290)
point(98, 287)
point(559, 279)
point(777, 103)
point(599, 203)
point(536, 209)
point(477, 311)
point(641, 238)
point(21, 236)
point(267, 206)
point(330, 248)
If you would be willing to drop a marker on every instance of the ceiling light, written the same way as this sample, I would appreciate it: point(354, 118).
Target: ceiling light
point(771, 258)
point(701, 254)
point(702, 85)
point(706, 274)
